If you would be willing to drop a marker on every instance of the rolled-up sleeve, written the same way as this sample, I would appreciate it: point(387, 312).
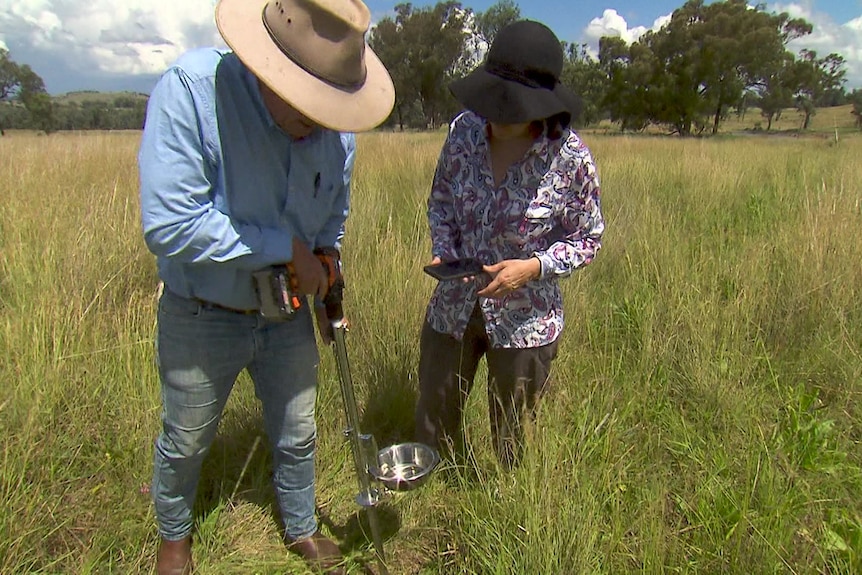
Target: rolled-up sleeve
point(582, 221)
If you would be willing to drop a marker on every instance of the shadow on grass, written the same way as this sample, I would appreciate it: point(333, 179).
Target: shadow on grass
point(355, 534)
point(238, 468)
point(389, 406)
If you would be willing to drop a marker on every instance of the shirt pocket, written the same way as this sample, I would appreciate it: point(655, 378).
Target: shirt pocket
point(311, 193)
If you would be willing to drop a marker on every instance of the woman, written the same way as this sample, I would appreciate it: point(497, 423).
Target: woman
point(516, 188)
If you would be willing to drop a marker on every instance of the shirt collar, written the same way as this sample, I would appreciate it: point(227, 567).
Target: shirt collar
point(253, 86)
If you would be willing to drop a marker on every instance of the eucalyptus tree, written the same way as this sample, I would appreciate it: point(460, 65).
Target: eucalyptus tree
point(775, 90)
point(724, 49)
point(805, 81)
point(627, 71)
point(392, 46)
point(20, 83)
point(584, 76)
point(482, 28)
point(422, 49)
point(701, 63)
point(488, 23)
point(740, 46)
point(816, 77)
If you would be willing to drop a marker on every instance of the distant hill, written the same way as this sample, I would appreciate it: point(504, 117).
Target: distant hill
point(93, 96)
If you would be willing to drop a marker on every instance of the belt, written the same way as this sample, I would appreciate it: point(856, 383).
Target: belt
point(212, 305)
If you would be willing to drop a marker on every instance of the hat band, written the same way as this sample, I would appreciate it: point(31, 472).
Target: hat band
point(530, 79)
point(319, 75)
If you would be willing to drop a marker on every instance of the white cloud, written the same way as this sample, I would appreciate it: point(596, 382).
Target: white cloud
point(612, 24)
point(125, 37)
point(829, 36)
point(129, 38)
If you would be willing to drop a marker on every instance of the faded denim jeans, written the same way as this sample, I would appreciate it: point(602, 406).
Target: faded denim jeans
point(200, 351)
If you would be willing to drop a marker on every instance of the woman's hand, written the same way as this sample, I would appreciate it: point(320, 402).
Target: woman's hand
point(509, 275)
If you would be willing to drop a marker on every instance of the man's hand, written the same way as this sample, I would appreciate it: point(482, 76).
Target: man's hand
point(509, 275)
point(329, 260)
point(311, 278)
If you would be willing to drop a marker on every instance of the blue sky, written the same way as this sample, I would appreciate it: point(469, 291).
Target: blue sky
point(125, 44)
point(568, 18)
point(837, 23)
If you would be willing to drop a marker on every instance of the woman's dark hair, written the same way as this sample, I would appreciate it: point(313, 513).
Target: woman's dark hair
point(552, 127)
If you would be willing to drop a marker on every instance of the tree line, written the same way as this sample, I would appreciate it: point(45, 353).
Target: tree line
point(26, 105)
point(707, 62)
point(94, 111)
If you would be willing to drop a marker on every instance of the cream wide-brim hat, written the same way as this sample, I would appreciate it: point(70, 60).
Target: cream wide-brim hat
point(340, 52)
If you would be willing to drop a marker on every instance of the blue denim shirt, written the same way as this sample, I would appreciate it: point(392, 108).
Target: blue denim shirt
point(223, 189)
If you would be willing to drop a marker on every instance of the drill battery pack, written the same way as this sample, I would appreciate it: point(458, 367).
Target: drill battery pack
point(277, 293)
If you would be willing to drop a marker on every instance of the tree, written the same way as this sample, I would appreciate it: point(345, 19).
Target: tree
point(740, 45)
point(814, 78)
point(775, 90)
point(392, 47)
point(737, 47)
point(422, 49)
point(494, 19)
point(702, 62)
point(21, 83)
point(625, 69)
point(41, 111)
point(9, 77)
point(482, 30)
point(584, 77)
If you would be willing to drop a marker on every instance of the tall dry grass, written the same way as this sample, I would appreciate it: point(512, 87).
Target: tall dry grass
point(704, 418)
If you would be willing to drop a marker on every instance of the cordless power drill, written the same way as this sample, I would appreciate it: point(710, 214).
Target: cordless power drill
point(278, 290)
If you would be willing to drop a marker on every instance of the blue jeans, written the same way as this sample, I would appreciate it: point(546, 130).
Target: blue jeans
point(201, 350)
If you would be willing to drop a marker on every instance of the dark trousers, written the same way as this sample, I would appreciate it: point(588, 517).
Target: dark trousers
point(517, 378)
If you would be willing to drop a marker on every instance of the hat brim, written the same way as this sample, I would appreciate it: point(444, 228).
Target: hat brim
point(509, 102)
point(240, 22)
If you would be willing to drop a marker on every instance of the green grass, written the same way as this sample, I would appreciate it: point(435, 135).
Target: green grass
point(705, 416)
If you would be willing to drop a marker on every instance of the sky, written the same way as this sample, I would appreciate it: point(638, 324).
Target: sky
point(123, 45)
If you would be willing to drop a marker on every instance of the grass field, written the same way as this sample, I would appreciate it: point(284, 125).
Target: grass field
point(705, 418)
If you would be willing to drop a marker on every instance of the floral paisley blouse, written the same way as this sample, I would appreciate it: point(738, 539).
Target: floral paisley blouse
point(547, 207)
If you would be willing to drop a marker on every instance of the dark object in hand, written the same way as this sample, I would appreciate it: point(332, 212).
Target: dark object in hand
point(455, 269)
point(276, 291)
point(330, 259)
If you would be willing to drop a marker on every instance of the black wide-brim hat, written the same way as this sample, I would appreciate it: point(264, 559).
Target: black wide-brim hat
point(519, 81)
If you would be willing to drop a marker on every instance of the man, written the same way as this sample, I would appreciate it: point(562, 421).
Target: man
point(245, 166)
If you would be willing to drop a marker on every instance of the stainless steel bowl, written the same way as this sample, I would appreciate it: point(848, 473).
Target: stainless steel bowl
point(405, 466)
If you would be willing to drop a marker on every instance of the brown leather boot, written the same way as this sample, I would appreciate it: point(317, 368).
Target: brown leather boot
point(320, 552)
point(175, 557)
